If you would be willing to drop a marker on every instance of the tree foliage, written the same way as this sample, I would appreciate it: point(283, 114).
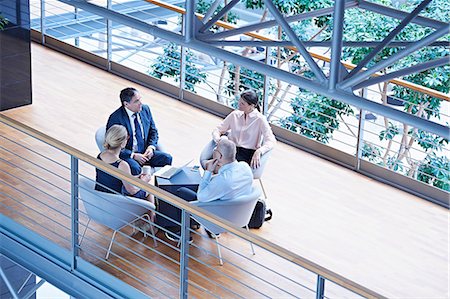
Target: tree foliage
point(168, 65)
point(3, 22)
point(434, 170)
point(315, 116)
point(369, 26)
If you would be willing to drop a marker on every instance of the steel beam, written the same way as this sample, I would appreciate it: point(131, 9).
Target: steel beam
point(389, 38)
point(211, 10)
point(269, 70)
point(52, 262)
point(219, 15)
point(336, 43)
point(398, 14)
point(271, 23)
point(189, 21)
point(8, 284)
point(311, 44)
point(294, 38)
point(404, 72)
point(33, 290)
point(389, 61)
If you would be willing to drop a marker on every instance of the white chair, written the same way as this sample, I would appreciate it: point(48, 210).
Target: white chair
point(237, 210)
point(113, 210)
point(207, 153)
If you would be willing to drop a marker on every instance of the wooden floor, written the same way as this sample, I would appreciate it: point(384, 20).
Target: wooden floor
point(385, 239)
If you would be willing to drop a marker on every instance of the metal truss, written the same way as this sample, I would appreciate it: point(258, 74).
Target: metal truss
point(340, 84)
point(20, 293)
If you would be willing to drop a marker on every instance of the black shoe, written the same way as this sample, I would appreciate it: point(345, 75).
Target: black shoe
point(211, 235)
point(175, 237)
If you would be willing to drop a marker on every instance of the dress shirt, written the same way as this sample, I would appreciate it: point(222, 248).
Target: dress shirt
point(233, 179)
point(131, 118)
point(252, 132)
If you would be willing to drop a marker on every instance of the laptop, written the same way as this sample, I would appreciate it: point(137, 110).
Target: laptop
point(168, 171)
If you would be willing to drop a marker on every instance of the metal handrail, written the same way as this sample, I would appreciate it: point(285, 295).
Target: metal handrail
point(226, 25)
point(263, 243)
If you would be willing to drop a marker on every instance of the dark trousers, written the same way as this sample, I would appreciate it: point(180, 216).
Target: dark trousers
point(173, 212)
point(159, 159)
point(244, 154)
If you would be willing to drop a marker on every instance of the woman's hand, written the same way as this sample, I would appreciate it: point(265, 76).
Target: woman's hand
point(256, 159)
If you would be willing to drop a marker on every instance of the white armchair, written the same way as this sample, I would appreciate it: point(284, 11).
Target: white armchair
point(237, 210)
point(113, 210)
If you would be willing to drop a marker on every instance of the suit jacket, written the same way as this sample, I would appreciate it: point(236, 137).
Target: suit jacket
point(120, 117)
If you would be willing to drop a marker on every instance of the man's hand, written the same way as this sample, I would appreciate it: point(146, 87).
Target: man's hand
point(223, 137)
point(140, 158)
point(256, 159)
point(211, 164)
point(149, 152)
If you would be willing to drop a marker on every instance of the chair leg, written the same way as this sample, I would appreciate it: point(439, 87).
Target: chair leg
point(262, 188)
point(152, 230)
point(110, 244)
point(85, 229)
point(218, 251)
point(251, 244)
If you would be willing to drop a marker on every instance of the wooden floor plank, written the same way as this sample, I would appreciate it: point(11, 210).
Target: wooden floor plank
point(385, 239)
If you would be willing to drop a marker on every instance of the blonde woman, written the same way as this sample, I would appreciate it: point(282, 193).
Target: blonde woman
point(115, 139)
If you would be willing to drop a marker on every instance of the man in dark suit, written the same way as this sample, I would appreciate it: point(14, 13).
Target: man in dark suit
point(142, 132)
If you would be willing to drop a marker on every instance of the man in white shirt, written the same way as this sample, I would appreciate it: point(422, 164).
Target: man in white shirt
point(232, 180)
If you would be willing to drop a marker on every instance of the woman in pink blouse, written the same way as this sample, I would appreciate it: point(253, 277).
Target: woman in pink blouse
point(248, 129)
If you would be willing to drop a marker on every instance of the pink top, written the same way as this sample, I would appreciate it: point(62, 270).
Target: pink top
point(252, 132)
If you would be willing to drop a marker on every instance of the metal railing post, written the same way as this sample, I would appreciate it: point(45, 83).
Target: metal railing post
point(360, 142)
point(182, 72)
point(184, 253)
point(43, 22)
point(320, 289)
point(183, 61)
point(77, 39)
point(74, 209)
point(265, 104)
point(108, 39)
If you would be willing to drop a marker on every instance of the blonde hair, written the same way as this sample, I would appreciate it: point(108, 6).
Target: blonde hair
point(115, 136)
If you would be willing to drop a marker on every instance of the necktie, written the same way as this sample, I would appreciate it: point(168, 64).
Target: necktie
point(138, 134)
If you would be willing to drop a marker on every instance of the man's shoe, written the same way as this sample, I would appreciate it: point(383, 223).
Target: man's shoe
point(211, 235)
point(175, 237)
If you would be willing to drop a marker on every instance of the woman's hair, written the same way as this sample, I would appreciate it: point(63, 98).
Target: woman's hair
point(251, 98)
point(115, 136)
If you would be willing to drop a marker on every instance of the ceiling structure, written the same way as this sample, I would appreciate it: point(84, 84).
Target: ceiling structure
point(339, 84)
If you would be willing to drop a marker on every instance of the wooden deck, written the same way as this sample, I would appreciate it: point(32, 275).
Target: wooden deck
point(385, 239)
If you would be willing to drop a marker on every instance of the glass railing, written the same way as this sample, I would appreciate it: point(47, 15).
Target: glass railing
point(410, 152)
point(48, 187)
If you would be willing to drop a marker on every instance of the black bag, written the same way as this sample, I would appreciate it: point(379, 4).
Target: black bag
point(260, 214)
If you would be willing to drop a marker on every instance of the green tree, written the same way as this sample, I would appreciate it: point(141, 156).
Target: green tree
point(315, 116)
point(168, 65)
point(366, 25)
point(3, 22)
